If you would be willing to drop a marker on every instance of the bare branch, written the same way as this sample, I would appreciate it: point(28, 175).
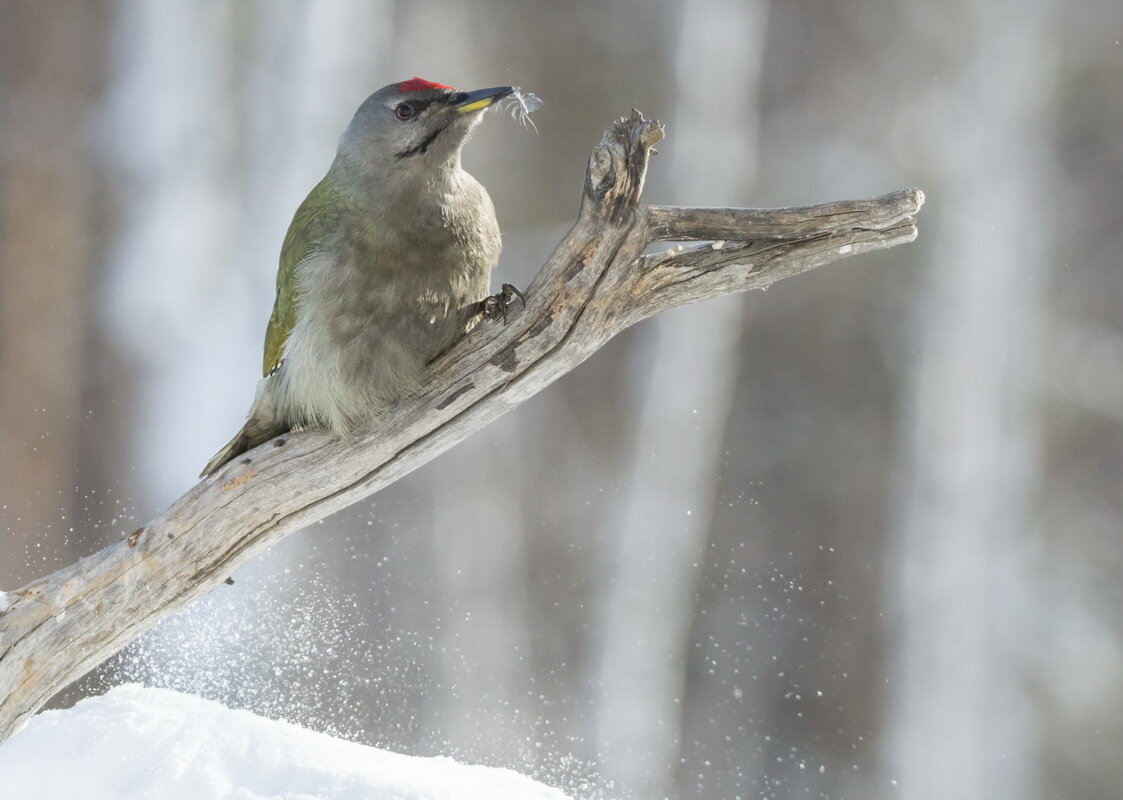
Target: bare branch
point(595, 284)
point(698, 272)
point(673, 223)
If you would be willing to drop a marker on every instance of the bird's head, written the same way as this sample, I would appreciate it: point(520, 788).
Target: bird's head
point(413, 126)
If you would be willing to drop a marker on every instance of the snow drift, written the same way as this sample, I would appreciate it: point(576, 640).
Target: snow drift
point(137, 743)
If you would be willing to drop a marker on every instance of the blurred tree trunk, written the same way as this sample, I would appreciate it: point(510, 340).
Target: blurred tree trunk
point(962, 722)
point(656, 548)
point(217, 153)
point(48, 187)
point(475, 558)
point(217, 156)
point(479, 699)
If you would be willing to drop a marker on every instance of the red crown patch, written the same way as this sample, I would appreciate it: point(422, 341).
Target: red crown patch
point(419, 85)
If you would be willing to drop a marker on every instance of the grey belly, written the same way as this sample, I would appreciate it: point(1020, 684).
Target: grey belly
point(363, 338)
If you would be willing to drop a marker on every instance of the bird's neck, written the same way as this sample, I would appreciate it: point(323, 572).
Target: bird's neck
point(382, 185)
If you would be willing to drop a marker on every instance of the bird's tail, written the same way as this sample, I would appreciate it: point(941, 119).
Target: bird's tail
point(232, 449)
point(253, 433)
point(262, 424)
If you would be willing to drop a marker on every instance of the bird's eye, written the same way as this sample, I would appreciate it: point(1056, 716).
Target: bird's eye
point(403, 111)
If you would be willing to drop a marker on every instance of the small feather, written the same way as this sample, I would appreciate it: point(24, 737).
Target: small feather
point(522, 105)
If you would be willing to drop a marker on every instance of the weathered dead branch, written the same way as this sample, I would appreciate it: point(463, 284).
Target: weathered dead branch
point(596, 283)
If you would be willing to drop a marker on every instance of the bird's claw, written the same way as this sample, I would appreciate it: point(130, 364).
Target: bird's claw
point(495, 306)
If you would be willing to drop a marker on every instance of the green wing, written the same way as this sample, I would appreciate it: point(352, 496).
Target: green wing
point(317, 217)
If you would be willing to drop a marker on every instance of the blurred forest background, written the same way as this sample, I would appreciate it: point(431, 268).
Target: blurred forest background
point(856, 537)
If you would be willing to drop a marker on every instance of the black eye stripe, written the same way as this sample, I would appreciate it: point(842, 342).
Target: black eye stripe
point(423, 146)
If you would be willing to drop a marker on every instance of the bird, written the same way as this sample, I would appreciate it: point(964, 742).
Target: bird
point(386, 263)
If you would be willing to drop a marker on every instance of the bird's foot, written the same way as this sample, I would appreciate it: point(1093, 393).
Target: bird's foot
point(497, 305)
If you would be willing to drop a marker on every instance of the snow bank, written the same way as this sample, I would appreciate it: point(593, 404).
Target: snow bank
point(135, 743)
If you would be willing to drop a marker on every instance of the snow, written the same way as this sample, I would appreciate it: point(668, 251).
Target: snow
point(136, 742)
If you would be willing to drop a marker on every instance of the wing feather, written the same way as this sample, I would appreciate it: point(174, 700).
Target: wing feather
point(316, 218)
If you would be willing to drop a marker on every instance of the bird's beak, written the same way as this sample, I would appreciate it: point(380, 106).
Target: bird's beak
point(480, 99)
